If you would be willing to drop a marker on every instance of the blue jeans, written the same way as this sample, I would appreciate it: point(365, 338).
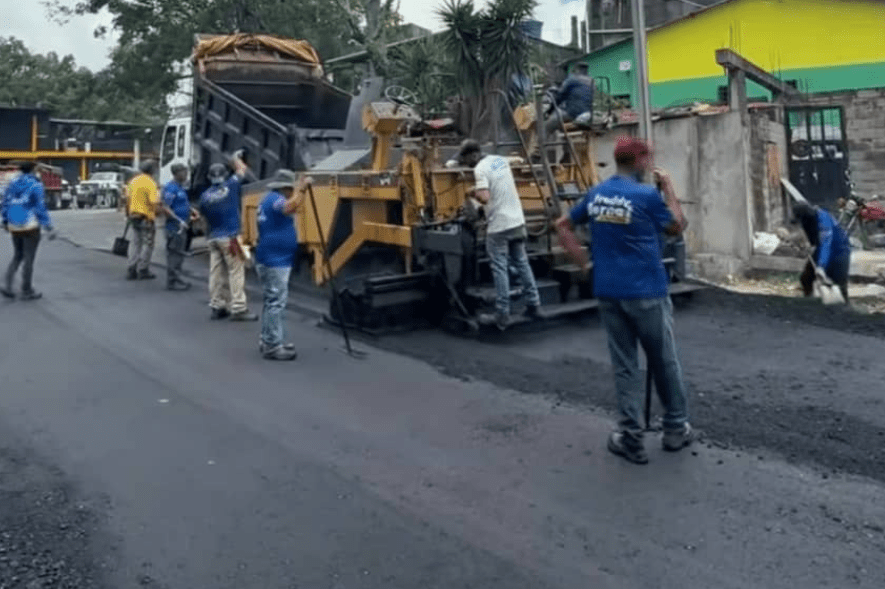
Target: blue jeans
point(650, 322)
point(275, 283)
point(504, 250)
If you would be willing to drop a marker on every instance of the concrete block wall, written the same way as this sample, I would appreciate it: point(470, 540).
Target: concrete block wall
point(767, 164)
point(865, 131)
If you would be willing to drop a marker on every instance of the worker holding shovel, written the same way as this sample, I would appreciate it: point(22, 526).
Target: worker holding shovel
point(830, 263)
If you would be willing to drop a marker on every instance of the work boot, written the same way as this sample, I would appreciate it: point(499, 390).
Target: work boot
point(676, 440)
point(499, 320)
point(219, 314)
point(7, 292)
point(532, 312)
point(132, 274)
point(280, 353)
point(631, 451)
point(146, 275)
point(179, 285)
point(31, 295)
point(244, 316)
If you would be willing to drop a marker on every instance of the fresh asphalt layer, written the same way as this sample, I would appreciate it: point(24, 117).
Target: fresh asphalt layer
point(206, 466)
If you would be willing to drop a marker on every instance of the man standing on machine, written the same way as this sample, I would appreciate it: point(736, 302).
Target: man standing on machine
point(220, 205)
point(573, 99)
point(506, 232)
point(626, 218)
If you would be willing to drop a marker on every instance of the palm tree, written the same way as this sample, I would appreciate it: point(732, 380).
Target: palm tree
point(486, 48)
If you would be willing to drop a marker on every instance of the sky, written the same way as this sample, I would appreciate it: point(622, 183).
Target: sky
point(27, 20)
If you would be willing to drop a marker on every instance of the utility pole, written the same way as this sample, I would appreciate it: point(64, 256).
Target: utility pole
point(640, 46)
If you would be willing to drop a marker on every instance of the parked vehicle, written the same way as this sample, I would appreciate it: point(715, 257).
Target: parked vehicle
point(863, 220)
point(102, 190)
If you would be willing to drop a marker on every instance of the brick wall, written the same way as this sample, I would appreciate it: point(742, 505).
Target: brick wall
point(767, 163)
point(865, 132)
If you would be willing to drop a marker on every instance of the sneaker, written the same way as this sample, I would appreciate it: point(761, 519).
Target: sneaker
point(674, 441)
point(219, 314)
point(280, 353)
point(146, 275)
point(618, 447)
point(7, 292)
point(244, 316)
point(532, 312)
point(182, 286)
point(131, 274)
point(262, 347)
point(31, 295)
point(497, 319)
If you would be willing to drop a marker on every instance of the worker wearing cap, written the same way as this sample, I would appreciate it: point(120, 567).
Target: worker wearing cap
point(142, 206)
point(220, 206)
point(832, 249)
point(274, 256)
point(23, 212)
point(506, 232)
point(177, 208)
point(626, 218)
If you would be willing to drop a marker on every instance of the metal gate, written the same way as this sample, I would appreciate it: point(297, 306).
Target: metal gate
point(818, 152)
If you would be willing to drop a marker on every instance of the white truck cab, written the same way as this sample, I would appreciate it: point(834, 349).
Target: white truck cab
point(176, 147)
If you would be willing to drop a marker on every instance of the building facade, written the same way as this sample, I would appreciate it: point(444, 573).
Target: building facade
point(818, 45)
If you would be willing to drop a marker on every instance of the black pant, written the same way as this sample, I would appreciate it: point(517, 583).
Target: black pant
point(175, 244)
point(25, 245)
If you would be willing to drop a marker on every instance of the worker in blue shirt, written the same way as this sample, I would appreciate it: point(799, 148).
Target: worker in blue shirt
point(23, 213)
point(626, 218)
point(832, 249)
point(177, 208)
point(220, 206)
point(573, 99)
point(274, 256)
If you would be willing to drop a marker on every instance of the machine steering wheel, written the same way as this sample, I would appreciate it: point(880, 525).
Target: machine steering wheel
point(401, 95)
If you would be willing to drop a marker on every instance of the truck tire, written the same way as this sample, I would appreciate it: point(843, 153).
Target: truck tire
point(102, 201)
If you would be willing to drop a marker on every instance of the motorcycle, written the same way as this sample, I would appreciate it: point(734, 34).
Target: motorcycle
point(863, 220)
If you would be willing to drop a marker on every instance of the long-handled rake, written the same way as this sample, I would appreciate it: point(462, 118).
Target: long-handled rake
point(335, 300)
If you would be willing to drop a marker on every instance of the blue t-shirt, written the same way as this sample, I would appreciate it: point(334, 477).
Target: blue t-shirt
point(277, 238)
point(175, 198)
point(832, 239)
point(221, 207)
point(626, 219)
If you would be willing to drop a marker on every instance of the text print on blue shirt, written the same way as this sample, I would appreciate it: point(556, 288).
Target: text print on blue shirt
point(614, 209)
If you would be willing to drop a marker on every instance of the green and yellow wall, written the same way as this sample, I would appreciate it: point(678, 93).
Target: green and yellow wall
point(825, 45)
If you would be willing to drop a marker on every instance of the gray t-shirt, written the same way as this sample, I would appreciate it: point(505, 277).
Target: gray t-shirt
point(504, 209)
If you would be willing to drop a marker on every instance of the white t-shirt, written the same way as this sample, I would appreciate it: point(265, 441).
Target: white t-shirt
point(504, 209)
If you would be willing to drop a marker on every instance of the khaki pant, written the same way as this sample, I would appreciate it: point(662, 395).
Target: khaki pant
point(227, 277)
point(141, 247)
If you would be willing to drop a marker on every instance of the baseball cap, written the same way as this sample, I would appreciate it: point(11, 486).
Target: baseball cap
point(627, 149)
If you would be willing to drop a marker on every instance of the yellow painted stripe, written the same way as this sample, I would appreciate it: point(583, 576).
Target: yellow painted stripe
point(774, 34)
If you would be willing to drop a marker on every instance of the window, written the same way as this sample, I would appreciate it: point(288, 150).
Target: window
point(182, 132)
point(168, 148)
point(622, 100)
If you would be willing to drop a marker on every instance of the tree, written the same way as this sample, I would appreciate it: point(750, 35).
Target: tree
point(156, 37)
point(371, 23)
point(422, 67)
point(488, 49)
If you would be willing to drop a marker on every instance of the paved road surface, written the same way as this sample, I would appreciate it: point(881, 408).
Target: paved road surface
point(208, 467)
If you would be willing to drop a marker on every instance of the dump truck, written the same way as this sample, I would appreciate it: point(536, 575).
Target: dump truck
point(262, 94)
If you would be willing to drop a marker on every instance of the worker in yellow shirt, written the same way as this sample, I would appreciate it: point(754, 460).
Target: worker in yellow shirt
point(142, 207)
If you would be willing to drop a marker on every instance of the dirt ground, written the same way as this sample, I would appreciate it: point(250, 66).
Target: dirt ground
point(46, 531)
point(769, 374)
